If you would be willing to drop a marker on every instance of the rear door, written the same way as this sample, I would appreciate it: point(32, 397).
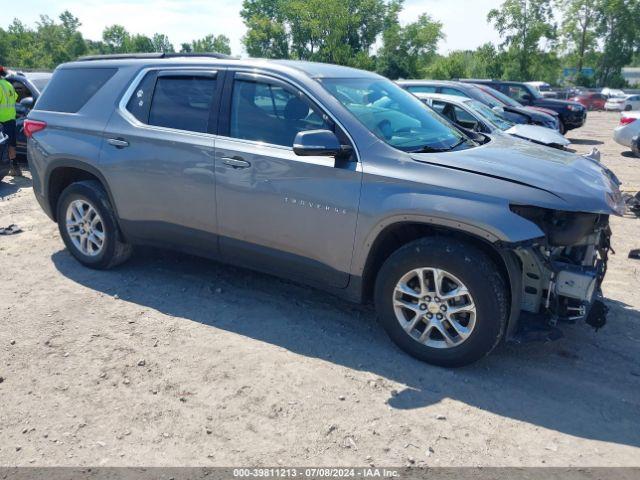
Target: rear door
point(158, 157)
point(279, 212)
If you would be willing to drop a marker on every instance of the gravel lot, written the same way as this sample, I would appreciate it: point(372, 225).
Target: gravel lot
point(171, 360)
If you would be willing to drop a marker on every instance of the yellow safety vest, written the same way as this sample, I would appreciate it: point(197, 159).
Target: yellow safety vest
point(8, 97)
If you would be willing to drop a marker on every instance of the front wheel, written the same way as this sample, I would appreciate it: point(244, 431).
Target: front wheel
point(88, 226)
point(442, 301)
point(562, 128)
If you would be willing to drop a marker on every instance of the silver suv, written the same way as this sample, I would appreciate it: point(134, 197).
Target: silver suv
point(330, 176)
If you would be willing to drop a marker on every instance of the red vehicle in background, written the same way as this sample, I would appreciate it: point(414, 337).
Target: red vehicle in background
point(590, 100)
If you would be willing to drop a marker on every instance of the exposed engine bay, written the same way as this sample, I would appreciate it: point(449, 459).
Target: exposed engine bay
point(562, 273)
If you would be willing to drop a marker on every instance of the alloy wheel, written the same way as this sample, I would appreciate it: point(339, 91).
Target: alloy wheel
point(434, 307)
point(85, 228)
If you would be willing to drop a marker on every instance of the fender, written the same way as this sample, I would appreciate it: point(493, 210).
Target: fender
point(78, 165)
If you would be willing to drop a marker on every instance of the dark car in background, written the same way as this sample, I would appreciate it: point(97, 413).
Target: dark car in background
point(514, 113)
point(590, 100)
point(29, 86)
point(572, 114)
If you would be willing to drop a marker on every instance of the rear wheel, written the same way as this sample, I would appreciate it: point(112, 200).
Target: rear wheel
point(88, 227)
point(442, 301)
point(627, 108)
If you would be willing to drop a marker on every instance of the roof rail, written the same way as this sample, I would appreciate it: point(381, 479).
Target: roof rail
point(124, 56)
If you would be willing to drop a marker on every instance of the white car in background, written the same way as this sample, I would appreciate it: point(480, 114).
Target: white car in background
point(473, 115)
point(623, 104)
point(612, 92)
point(628, 132)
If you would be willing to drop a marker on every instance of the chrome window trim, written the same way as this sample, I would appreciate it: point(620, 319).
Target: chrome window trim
point(122, 106)
point(128, 116)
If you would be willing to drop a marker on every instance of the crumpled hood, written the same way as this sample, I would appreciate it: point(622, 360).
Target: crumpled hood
point(580, 184)
point(539, 134)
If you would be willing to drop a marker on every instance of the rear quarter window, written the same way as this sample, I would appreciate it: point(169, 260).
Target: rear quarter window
point(71, 88)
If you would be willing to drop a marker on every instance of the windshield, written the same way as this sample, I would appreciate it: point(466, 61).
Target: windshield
point(40, 83)
point(534, 92)
point(394, 115)
point(489, 114)
point(505, 99)
point(485, 98)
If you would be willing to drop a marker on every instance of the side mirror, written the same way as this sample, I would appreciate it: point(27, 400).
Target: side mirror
point(526, 98)
point(498, 109)
point(27, 102)
point(323, 143)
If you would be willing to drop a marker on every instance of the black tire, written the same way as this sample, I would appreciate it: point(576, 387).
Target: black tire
point(627, 108)
point(635, 146)
point(475, 269)
point(562, 128)
point(114, 251)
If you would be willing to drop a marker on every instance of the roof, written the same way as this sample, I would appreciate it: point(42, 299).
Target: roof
point(431, 82)
point(325, 70)
point(311, 69)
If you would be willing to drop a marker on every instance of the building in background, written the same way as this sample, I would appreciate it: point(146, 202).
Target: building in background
point(632, 76)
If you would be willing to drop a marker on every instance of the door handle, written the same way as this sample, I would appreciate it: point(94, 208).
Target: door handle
point(118, 142)
point(235, 162)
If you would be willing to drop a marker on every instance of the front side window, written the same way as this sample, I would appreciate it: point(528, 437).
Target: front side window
point(394, 115)
point(182, 102)
point(271, 113)
point(519, 93)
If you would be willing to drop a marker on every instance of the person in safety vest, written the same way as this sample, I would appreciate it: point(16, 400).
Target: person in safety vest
point(8, 97)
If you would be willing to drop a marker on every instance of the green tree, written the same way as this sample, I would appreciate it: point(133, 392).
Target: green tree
point(336, 31)
point(115, 38)
point(580, 28)
point(138, 44)
point(618, 26)
point(208, 44)
point(161, 43)
point(265, 37)
point(523, 25)
point(407, 50)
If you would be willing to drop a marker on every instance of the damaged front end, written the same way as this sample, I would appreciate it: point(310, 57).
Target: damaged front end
point(563, 271)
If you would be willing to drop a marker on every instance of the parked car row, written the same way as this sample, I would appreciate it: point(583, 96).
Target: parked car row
point(334, 177)
point(473, 115)
point(572, 115)
point(512, 110)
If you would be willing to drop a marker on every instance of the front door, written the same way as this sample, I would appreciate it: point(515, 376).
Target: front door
point(279, 212)
point(158, 157)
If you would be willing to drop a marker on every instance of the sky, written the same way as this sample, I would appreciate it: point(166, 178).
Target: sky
point(465, 24)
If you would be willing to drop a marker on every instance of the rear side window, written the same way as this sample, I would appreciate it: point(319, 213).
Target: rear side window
point(71, 88)
point(421, 89)
point(452, 91)
point(439, 107)
point(140, 101)
point(183, 102)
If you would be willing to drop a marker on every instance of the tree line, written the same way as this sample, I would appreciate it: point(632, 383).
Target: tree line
point(539, 38)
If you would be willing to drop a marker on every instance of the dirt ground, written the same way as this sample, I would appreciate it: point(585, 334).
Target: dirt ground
point(171, 360)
